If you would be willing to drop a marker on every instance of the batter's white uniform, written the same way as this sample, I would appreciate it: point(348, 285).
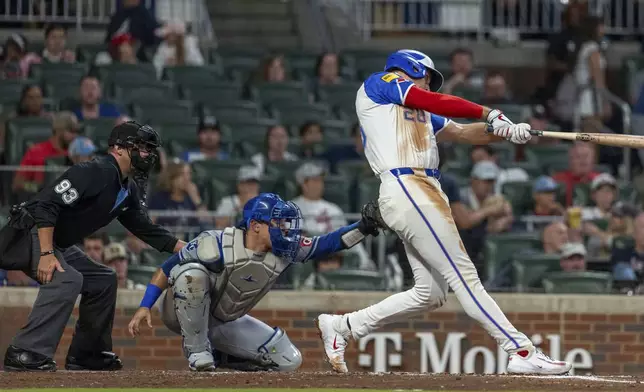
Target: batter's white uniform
point(400, 145)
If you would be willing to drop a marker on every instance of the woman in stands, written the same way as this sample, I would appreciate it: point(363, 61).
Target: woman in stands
point(327, 69)
point(177, 192)
point(275, 148)
point(29, 105)
point(273, 69)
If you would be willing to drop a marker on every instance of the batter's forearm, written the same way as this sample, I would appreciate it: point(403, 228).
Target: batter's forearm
point(476, 133)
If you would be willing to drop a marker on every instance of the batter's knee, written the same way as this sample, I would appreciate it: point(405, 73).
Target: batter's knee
point(425, 299)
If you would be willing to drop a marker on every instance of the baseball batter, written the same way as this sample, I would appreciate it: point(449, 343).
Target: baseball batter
point(219, 277)
point(400, 113)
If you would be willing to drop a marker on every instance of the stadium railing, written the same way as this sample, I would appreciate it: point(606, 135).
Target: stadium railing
point(622, 17)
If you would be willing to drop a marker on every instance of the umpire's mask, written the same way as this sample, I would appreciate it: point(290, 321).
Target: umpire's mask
point(137, 138)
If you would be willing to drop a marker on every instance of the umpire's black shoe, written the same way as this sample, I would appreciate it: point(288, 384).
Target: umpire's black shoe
point(105, 361)
point(19, 360)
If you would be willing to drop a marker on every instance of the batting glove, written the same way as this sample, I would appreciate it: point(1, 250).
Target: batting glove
point(500, 124)
point(520, 133)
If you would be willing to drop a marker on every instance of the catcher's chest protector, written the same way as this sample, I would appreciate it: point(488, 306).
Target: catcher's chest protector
point(246, 277)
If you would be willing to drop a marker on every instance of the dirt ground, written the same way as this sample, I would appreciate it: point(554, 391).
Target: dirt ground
point(171, 379)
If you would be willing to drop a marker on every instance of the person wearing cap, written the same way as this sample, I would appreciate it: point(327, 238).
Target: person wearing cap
point(115, 256)
point(581, 168)
point(627, 258)
point(480, 195)
point(544, 193)
point(573, 257)
point(620, 225)
point(84, 199)
point(603, 192)
point(209, 139)
point(64, 131)
point(91, 107)
point(231, 206)
point(16, 59)
point(82, 149)
point(177, 192)
point(321, 216)
point(487, 152)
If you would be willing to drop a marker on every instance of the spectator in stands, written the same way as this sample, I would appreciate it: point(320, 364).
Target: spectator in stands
point(573, 257)
point(16, 60)
point(64, 130)
point(273, 69)
point(275, 148)
point(321, 216)
point(603, 192)
point(327, 69)
point(554, 236)
point(177, 192)
point(495, 91)
point(231, 206)
point(115, 256)
point(544, 193)
point(628, 261)
point(135, 19)
point(581, 164)
point(94, 245)
point(82, 149)
point(29, 105)
point(90, 105)
point(480, 194)
point(311, 137)
point(511, 174)
point(177, 48)
point(620, 225)
point(562, 46)
point(462, 73)
point(55, 50)
point(209, 137)
point(355, 152)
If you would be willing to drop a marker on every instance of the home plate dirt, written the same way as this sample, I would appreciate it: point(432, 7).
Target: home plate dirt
point(314, 380)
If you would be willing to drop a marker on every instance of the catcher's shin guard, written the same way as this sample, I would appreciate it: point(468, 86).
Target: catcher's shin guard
point(191, 289)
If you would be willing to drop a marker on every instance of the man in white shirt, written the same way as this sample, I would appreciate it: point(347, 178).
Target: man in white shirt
point(321, 216)
point(247, 188)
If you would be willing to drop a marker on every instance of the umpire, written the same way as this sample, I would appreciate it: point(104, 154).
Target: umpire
point(40, 239)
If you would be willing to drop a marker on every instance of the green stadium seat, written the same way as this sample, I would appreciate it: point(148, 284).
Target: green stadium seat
point(284, 169)
point(22, 132)
point(336, 190)
point(61, 89)
point(225, 170)
point(339, 95)
point(302, 62)
point(368, 189)
point(152, 257)
point(10, 89)
point(141, 274)
point(528, 271)
point(224, 91)
point(301, 271)
point(293, 113)
point(469, 93)
point(335, 129)
point(128, 74)
point(99, 130)
point(352, 280)
point(460, 168)
point(272, 93)
point(585, 282)
point(500, 248)
point(354, 169)
point(144, 93)
point(229, 112)
point(365, 61)
point(86, 53)
point(171, 112)
point(59, 71)
point(544, 154)
point(519, 194)
point(188, 75)
point(239, 63)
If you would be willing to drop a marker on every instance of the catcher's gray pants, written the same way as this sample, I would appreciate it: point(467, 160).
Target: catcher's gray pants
point(243, 338)
point(55, 301)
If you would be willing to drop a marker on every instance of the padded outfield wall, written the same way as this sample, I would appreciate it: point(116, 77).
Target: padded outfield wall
point(600, 334)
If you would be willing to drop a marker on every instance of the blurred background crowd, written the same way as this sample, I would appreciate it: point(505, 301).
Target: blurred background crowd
point(239, 115)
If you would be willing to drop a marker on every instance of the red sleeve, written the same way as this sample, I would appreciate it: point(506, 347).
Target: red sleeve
point(442, 104)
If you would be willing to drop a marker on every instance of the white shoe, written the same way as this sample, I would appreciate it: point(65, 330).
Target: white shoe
point(536, 362)
point(201, 362)
point(333, 341)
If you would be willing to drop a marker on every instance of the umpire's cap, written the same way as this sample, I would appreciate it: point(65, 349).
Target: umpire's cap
point(131, 132)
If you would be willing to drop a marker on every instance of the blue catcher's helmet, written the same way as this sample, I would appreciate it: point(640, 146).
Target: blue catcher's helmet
point(283, 219)
point(410, 61)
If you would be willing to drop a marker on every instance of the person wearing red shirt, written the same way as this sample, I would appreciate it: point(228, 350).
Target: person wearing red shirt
point(65, 129)
point(581, 162)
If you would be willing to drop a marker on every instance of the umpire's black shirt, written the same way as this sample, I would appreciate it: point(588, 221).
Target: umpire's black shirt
point(87, 197)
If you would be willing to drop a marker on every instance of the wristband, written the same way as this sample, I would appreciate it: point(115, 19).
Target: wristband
point(49, 252)
point(152, 294)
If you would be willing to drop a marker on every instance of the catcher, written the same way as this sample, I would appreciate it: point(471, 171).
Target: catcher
point(219, 277)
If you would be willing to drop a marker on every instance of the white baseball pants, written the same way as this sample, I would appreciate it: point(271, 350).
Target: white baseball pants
point(415, 207)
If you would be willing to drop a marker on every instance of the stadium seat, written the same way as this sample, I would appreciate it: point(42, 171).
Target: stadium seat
point(152, 257)
point(546, 154)
point(221, 91)
point(284, 169)
point(273, 93)
point(336, 190)
point(339, 95)
point(368, 189)
point(351, 280)
point(585, 282)
point(171, 112)
point(528, 271)
point(85, 53)
point(293, 113)
point(61, 89)
point(500, 248)
point(127, 74)
point(228, 112)
point(354, 169)
point(459, 168)
point(71, 73)
point(301, 271)
point(99, 130)
point(302, 62)
point(238, 63)
point(141, 274)
point(335, 129)
point(10, 89)
point(22, 132)
point(519, 194)
point(225, 170)
point(365, 61)
point(469, 93)
point(188, 75)
point(144, 93)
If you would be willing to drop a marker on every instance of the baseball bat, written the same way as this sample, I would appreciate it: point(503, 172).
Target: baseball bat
point(606, 139)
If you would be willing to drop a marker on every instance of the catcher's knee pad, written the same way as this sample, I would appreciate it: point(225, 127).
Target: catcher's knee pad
point(282, 352)
point(190, 283)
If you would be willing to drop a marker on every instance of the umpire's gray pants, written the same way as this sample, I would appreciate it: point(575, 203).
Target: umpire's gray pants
point(55, 301)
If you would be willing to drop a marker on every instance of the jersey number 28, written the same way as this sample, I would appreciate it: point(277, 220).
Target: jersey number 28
point(66, 192)
point(415, 115)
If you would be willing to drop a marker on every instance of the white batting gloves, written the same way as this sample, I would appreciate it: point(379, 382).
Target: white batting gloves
point(500, 124)
point(520, 133)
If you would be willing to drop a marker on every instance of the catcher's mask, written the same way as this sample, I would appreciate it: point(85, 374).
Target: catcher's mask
point(283, 219)
point(141, 141)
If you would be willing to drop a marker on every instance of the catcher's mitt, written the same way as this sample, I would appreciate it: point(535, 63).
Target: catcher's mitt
point(371, 219)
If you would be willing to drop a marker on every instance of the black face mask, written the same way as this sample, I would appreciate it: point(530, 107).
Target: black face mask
point(148, 140)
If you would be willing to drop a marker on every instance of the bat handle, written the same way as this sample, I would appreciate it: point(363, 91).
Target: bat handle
point(535, 132)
